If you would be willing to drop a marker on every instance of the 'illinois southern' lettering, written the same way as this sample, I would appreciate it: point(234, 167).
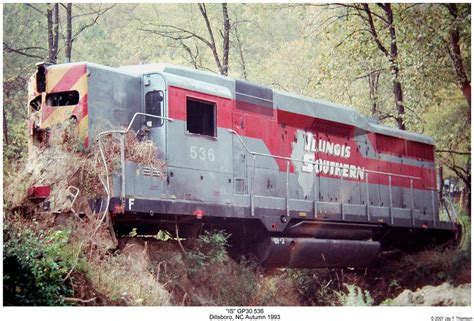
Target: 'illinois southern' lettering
point(310, 165)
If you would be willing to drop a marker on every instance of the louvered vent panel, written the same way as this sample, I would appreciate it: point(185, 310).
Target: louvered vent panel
point(420, 150)
point(331, 128)
point(391, 145)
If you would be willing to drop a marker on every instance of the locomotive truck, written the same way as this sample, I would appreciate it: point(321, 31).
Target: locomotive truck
point(300, 181)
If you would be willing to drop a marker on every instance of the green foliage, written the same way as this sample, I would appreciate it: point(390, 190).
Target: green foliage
point(330, 50)
point(163, 235)
point(211, 249)
point(355, 296)
point(35, 263)
point(16, 149)
point(133, 232)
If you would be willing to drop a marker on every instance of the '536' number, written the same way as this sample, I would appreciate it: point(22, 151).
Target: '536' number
point(201, 153)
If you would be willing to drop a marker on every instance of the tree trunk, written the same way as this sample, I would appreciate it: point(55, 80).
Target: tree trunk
point(49, 15)
point(5, 128)
point(456, 56)
point(52, 14)
point(373, 78)
point(68, 50)
point(225, 47)
point(468, 188)
point(56, 30)
point(391, 55)
point(441, 183)
point(394, 68)
point(212, 42)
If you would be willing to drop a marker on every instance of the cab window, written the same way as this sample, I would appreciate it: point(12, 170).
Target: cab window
point(201, 117)
point(153, 106)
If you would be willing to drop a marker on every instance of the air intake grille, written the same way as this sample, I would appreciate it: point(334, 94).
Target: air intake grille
point(391, 145)
point(420, 150)
point(148, 171)
point(331, 128)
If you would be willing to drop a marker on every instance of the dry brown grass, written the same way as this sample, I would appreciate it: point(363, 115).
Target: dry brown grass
point(127, 277)
point(63, 163)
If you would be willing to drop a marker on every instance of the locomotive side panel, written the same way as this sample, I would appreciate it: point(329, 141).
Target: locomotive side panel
point(114, 98)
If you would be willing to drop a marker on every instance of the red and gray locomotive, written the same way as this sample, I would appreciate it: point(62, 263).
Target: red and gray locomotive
point(305, 182)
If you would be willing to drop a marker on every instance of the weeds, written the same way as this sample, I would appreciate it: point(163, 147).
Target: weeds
point(354, 296)
point(210, 249)
point(35, 263)
point(128, 279)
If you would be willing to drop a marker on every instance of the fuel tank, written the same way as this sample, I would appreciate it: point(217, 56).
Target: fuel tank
point(307, 252)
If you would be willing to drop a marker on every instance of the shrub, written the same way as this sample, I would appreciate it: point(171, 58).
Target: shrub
point(211, 249)
point(35, 263)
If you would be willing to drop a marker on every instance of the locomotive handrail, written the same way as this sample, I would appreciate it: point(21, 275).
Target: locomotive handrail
point(147, 115)
point(390, 175)
point(314, 163)
point(122, 149)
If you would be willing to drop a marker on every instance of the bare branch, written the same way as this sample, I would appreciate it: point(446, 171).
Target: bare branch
point(349, 35)
point(76, 300)
point(24, 51)
point(452, 152)
point(176, 33)
point(373, 31)
point(202, 8)
point(241, 51)
point(98, 14)
point(190, 53)
point(34, 8)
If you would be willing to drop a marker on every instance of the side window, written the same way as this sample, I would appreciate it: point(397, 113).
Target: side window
point(201, 117)
point(153, 106)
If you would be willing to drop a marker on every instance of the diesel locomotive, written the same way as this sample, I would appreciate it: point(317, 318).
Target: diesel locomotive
point(300, 181)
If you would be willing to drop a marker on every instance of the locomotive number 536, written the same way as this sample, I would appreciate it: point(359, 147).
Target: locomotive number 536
point(202, 153)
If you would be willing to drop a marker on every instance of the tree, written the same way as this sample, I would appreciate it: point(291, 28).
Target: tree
point(92, 14)
point(32, 33)
point(52, 14)
point(68, 40)
point(391, 53)
point(182, 35)
point(454, 50)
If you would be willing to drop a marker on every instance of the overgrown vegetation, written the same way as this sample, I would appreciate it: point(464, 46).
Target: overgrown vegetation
point(41, 253)
point(35, 263)
point(355, 296)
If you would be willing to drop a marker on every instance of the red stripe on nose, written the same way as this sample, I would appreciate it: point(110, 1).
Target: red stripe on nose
point(81, 110)
point(70, 78)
